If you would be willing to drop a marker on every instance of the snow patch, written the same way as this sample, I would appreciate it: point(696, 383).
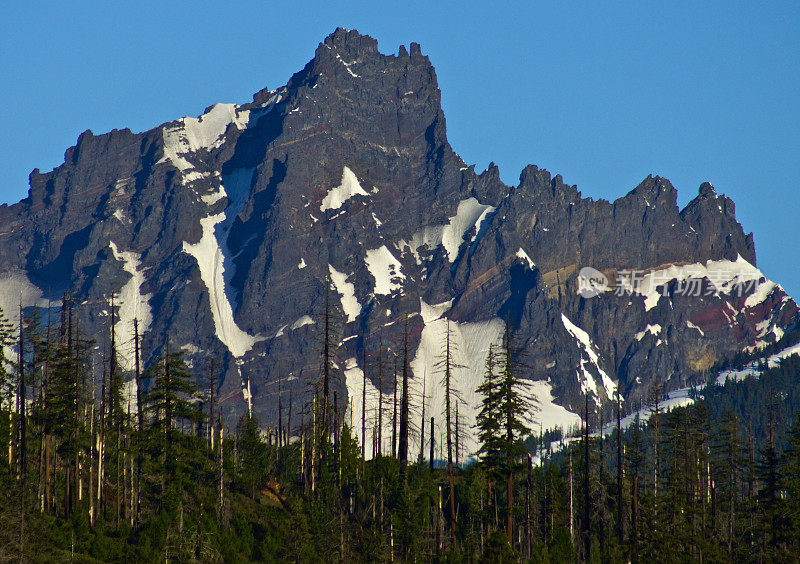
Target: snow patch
point(550, 415)
point(652, 329)
point(16, 289)
point(210, 254)
point(305, 320)
point(761, 293)
point(470, 213)
point(189, 135)
point(676, 398)
point(431, 313)
point(347, 291)
point(524, 256)
point(385, 269)
point(587, 381)
point(132, 305)
point(691, 325)
point(469, 343)
point(348, 188)
point(753, 369)
point(723, 275)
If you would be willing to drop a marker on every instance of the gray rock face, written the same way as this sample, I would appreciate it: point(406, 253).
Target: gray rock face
point(219, 234)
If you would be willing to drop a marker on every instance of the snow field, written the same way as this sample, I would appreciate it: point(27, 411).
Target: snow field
point(385, 269)
point(337, 196)
point(347, 292)
point(132, 305)
point(470, 213)
point(585, 378)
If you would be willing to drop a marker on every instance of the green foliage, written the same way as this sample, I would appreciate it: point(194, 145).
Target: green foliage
point(728, 486)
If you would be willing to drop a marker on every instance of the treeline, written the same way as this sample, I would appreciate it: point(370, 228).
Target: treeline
point(91, 473)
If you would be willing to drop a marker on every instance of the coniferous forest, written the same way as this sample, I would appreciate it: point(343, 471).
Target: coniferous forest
point(89, 473)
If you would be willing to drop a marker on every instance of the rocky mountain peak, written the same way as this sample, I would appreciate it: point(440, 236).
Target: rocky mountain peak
point(226, 231)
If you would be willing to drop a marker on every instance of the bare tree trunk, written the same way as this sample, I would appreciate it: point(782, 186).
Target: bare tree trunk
point(422, 421)
point(432, 441)
point(403, 442)
point(313, 443)
point(220, 477)
point(394, 412)
point(528, 495)
point(457, 436)
point(364, 407)
point(587, 529)
point(21, 396)
point(380, 396)
point(100, 441)
point(571, 511)
point(279, 431)
point(140, 420)
point(449, 431)
point(289, 420)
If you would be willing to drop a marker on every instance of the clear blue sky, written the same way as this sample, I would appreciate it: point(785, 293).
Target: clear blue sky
point(604, 96)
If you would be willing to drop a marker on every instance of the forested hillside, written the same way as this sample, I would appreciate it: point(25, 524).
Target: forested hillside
point(90, 472)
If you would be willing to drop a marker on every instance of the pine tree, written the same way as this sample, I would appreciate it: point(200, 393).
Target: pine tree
point(452, 396)
point(790, 481)
point(169, 402)
point(503, 418)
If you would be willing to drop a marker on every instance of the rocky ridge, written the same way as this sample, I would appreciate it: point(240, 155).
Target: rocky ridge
point(220, 232)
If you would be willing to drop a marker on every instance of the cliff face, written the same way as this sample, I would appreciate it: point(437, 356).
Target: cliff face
point(219, 233)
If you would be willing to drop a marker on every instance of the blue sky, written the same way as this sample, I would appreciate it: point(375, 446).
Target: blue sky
point(603, 96)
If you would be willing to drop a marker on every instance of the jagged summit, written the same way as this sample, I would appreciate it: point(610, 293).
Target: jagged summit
point(221, 230)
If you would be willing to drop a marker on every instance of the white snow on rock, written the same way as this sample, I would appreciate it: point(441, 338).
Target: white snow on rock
point(348, 188)
point(691, 325)
point(654, 329)
point(469, 347)
point(305, 320)
point(585, 377)
point(119, 214)
point(189, 135)
point(753, 368)
point(431, 313)
point(762, 292)
point(210, 254)
point(347, 65)
point(191, 348)
point(132, 305)
point(213, 198)
point(470, 214)
point(724, 275)
point(550, 415)
point(16, 289)
point(347, 292)
point(129, 396)
point(676, 398)
point(385, 269)
point(354, 380)
point(524, 256)
point(481, 222)
point(469, 343)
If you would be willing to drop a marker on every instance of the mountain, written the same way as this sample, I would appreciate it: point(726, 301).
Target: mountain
point(219, 234)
